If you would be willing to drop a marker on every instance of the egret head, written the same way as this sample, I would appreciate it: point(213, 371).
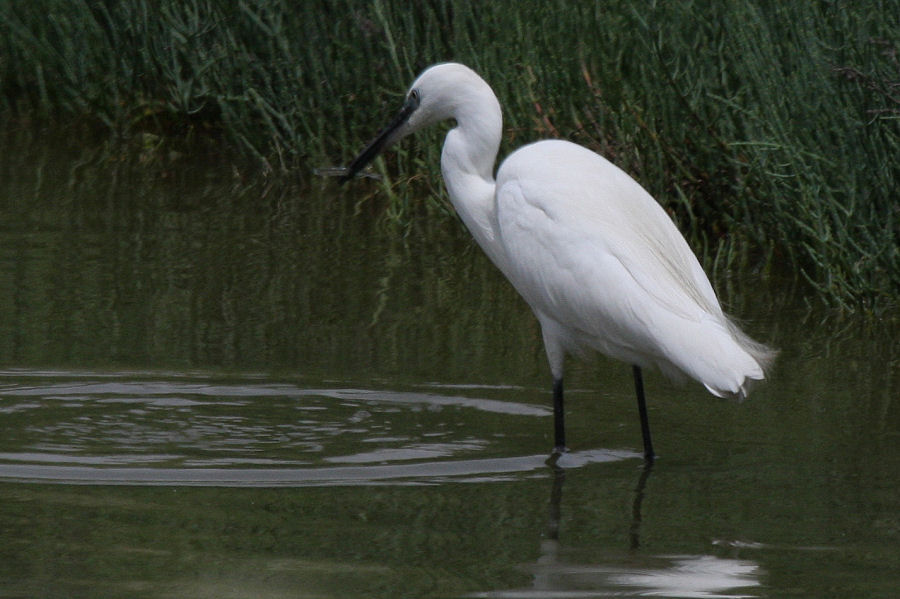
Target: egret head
point(437, 94)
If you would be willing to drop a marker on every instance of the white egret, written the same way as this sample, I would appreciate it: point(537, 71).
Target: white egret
point(601, 264)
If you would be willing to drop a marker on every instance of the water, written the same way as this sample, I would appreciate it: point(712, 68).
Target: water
point(220, 387)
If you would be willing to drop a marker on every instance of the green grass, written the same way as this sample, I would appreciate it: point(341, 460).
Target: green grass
point(763, 125)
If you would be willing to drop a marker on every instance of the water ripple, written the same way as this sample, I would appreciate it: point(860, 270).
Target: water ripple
point(190, 429)
point(432, 472)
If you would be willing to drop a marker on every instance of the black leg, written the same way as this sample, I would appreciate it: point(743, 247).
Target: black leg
point(559, 418)
point(649, 456)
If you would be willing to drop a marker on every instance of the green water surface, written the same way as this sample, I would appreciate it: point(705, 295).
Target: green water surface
point(215, 386)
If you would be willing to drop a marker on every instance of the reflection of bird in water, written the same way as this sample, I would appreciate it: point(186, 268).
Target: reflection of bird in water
point(628, 574)
point(599, 261)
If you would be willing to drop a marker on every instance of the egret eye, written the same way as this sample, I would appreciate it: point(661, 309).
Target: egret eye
point(414, 96)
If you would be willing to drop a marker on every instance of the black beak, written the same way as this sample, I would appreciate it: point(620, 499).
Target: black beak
point(385, 137)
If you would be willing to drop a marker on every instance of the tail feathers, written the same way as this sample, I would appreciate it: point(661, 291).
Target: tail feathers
point(762, 357)
point(762, 354)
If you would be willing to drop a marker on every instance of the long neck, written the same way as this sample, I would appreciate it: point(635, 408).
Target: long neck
point(467, 164)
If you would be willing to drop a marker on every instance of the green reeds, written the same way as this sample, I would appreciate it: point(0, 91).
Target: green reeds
point(774, 125)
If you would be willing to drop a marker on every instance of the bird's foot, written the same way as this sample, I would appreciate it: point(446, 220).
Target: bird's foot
point(557, 453)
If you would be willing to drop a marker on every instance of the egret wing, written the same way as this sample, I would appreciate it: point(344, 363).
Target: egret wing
point(586, 244)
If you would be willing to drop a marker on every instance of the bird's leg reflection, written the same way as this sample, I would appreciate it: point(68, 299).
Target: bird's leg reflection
point(560, 573)
point(559, 477)
point(635, 531)
point(547, 571)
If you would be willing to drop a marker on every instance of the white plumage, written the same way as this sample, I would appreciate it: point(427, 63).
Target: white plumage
point(601, 264)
